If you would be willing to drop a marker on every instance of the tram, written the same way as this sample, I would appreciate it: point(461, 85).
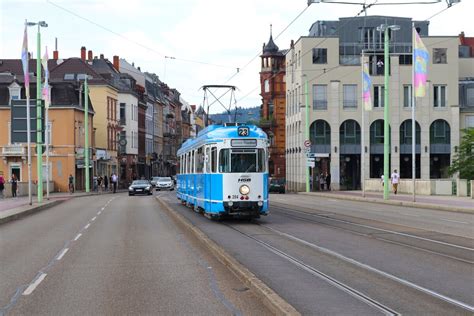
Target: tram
point(223, 172)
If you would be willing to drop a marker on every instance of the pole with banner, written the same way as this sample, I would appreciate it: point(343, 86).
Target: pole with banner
point(47, 100)
point(366, 106)
point(26, 74)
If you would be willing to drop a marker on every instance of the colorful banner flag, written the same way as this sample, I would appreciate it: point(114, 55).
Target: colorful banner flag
point(420, 62)
point(24, 61)
point(367, 84)
point(45, 90)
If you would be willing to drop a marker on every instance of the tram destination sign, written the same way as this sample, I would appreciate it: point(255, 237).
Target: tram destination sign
point(243, 142)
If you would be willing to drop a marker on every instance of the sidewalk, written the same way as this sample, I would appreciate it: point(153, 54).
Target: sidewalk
point(14, 208)
point(436, 202)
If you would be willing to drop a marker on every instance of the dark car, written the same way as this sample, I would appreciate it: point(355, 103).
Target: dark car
point(140, 187)
point(277, 185)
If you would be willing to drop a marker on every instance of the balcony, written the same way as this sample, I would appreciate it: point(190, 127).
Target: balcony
point(13, 150)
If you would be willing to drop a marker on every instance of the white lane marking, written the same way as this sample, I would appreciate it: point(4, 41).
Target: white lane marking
point(93, 218)
point(87, 226)
point(331, 200)
point(33, 285)
point(408, 214)
point(78, 236)
point(380, 272)
point(61, 255)
point(102, 208)
point(99, 212)
point(450, 220)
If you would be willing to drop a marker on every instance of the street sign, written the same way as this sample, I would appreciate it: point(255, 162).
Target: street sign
point(307, 143)
point(310, 164)
point(306, 150)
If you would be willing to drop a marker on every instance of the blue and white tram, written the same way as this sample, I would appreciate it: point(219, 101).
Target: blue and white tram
point(224, 171)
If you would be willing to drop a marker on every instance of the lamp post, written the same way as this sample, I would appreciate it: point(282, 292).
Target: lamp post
point(39, 139)
point(306, 104)
point(386, 152)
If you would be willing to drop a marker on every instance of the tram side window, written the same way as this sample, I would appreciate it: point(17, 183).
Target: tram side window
point(224, 160)
point(199, 160)
point(213, 159)
point(188, 160)
point(261, 161)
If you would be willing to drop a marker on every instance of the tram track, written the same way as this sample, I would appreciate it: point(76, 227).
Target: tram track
point(351, 290)
point(445, 249)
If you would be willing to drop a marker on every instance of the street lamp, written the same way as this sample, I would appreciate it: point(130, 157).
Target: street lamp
point(39, 140)
point(385, 29)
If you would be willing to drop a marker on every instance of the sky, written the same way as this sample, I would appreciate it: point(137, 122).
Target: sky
point(193, 43)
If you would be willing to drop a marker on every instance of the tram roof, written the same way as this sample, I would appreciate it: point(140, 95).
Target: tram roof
point(219, 132)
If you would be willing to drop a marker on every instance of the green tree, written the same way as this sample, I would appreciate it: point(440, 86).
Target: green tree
point(463, 161)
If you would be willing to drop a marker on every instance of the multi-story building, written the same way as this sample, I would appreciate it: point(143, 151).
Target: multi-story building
point(466, 81)
point(329, 61)
point(66, 123)
point(154, 92)
point(273, 92)
point(104, 96)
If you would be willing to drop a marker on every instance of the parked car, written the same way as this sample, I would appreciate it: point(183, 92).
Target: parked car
point(164, 183)
point(140, 187)
point(277, 185)
point(154, 180)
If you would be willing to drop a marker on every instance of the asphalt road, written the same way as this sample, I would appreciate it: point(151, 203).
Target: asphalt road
point(111, 255)
point(331, 261)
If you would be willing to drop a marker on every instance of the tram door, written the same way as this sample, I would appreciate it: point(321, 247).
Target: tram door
point(207, 180)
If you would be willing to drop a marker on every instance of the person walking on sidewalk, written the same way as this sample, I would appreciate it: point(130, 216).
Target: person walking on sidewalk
point(2, 184)
point(395, 179)
point(71, 184)
point(322, 181)
point(14, 182)
point(328, 180)
point(106, 183)
point(114, 181)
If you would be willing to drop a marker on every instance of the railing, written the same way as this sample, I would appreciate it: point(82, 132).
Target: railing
point(13, 150)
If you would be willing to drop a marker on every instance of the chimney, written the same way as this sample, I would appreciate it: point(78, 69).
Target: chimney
point(101, 56)
point(89, 55)
point(83, 53)
point(116, 63)
point(55, 52)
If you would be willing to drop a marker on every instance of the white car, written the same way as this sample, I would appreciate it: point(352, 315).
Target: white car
point(164, 183)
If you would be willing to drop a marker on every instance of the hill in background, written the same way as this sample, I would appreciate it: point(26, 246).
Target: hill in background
point(244, 115)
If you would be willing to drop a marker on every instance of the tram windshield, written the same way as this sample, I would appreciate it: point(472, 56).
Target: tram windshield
point(241, 160)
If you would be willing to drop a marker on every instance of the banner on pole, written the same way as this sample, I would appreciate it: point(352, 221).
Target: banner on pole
point(420, 64)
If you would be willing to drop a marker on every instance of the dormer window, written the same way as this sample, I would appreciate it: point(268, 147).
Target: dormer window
point(15, 90)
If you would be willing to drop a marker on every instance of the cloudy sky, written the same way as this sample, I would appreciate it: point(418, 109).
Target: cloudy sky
point(207, 40)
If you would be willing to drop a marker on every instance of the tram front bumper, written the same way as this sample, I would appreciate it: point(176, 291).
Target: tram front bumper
point(243, 207)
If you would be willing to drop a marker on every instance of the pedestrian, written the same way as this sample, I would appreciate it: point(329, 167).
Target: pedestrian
point(71, 184)
point(114, 181)
point(99, 183)
point(381, 180)
point(322, 180)
point(328, 181)
point(106, 183)
point(94, 181)
point(2, 184)
point(14, 182)
point(395, 179)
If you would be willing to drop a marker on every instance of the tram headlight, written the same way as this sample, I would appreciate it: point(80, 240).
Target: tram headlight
point(244, 189)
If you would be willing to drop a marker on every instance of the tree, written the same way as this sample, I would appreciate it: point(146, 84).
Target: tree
point(463, 161)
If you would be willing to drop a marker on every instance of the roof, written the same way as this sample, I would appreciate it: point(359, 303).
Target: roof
point(76, 66)
point(271, 48)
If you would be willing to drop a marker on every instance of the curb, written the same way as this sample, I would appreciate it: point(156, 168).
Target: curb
point(276, 304)
point(29, 211)
point(395, 202)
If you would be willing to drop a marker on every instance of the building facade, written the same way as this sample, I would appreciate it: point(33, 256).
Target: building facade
point(329, 62)
point(273, 92)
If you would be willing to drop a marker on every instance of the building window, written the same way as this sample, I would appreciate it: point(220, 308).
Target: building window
point(320, 101)
point(440, 55)
point(407, 96)
point(469, 121)
point(349, 133)
point(122, 114)
point(440, 132)
point(320, 55)
point(405, 59)
point(379, 96)
point(439, 96)
point(350, 96)
point(267, 85)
